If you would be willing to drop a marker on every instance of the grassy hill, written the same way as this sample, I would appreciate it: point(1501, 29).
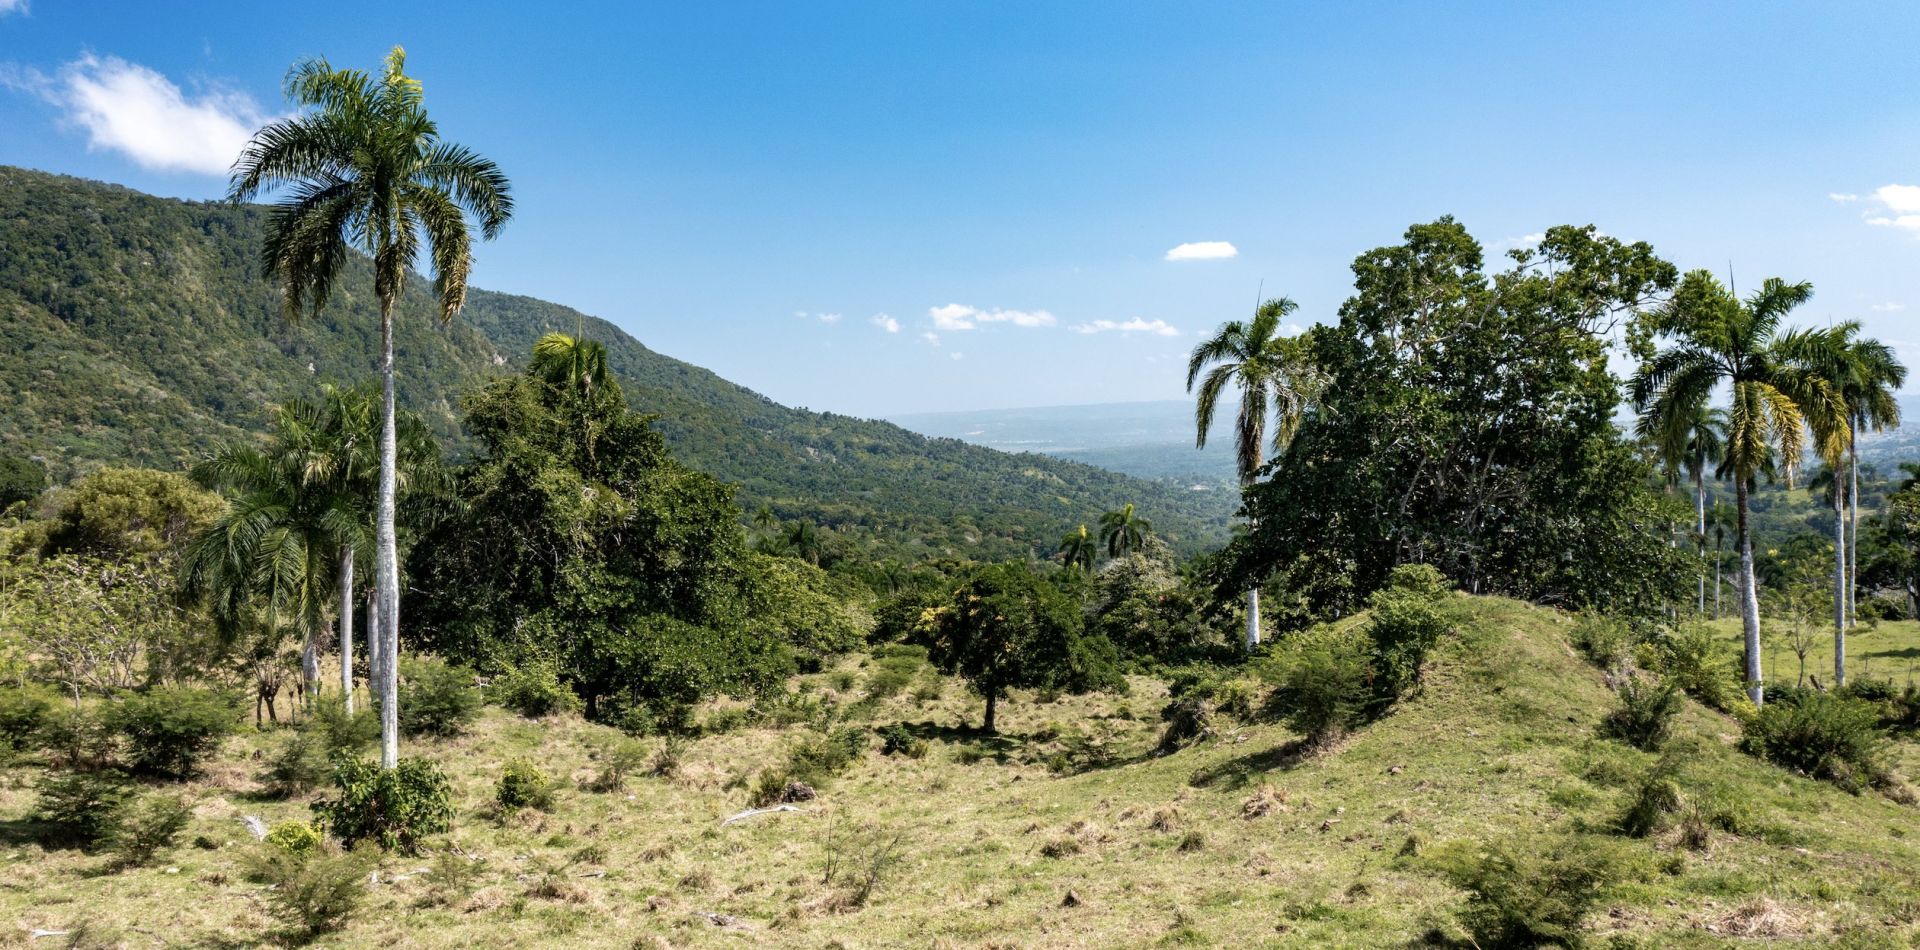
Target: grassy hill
point(1237, 842)
point(136, 329)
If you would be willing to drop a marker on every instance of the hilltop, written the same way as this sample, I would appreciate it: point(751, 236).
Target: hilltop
point(137, 330)
point(1239, 841)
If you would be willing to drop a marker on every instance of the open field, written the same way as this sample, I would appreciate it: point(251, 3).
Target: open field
point(1238, 841)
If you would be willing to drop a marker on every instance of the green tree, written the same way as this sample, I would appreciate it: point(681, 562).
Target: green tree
point(1690, 440)
point(1717, 339)
point(1006, 628)
point(573, 363)
point(21, 481)
point(126, 511)
point(1078, 549)
point(366, 170)
point(1870, 376)
point(1123, 531)
point(1269, 369)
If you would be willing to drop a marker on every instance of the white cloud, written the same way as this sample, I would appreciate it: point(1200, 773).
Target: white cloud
point(12, 6)
point(886, 323)
point(829, 317)
point(1292, 329)
point(1203, 251)
point(1899, 207)
point(958, 355)
point(1842, 197)
point(128, 108)
point(932, 338)
point(957, 316)
point(1135, 325)
point(1888, 307)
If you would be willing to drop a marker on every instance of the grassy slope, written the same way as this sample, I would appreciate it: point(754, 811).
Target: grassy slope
point(1498, 743)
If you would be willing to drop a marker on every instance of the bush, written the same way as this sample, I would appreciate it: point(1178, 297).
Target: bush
point(1532, 892)
point(76, 738)
point(619, 758)
point(1607, 641)
point(337, 730)
point(24, 711)
point(1644, 718)
point(897, 739)
point(300, 765)
point(534, 690)
point(1322, 679)
point(821, 756)
point(395, 808)
point(82, 809)
point(1691, 659)
point(437, 698)
point(523, 785)
point(1188, 721)
point(148, 828)
point(295, 837)
point(1409, 616)
point(316, 892)
point(170, 730)
point(1836, 738)
point(1656, 799)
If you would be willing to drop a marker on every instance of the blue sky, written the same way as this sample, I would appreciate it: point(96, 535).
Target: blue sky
point(802, 196)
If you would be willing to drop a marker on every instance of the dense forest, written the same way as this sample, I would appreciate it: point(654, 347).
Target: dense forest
point(138, 330)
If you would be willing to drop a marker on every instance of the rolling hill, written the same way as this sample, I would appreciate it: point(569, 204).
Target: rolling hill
point(137, 329)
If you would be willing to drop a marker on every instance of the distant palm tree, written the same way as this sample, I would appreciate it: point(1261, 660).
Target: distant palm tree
point(803, 540)
point(1690, 439)
point(1720, 339)
point(573, 364)
point(1123, 531)
point(365, 170)
point(1078, 549)
point(1872, 374)
point(1719, 519)
point(1272, 372)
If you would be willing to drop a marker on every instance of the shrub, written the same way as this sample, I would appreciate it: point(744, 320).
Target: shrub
point(1188, 721)
point(82, 809)
point(337, 730)
point(170, 730)
point(1691, 659)
point(1836, 738)
point(1903, 712)
point(619, 758)
point(821, 756)
point(1644, 718)
point(295, 837)
point(1409, 616)
point(1607, 641)
point(148, 828)
point(1533, 891)
point(1867, 689)
point(523, 785)
point(300, 765)
point(316, 892)
point(76, 738)
point(1655, 800)
point(1322, 678)
point(453, 877)
point(534, 690)
point(897, 739)
point(395, 808)
point(24, 711)
point(437, 698)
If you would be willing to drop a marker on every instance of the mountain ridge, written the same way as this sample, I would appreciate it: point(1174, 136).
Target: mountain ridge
point(138, 330)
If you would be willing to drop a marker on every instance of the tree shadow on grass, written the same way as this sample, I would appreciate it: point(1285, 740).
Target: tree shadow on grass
point(1239, 771)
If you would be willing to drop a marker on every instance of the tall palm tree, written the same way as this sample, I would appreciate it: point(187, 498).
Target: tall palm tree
point(1078, 549)
point(573, 363)
point(1720, 518)
point(803, 540)
point(1689, 440)
point(1123, 531)
point(1718, 339)
point(334, 446)
point(365, 169)
point(1273, 373)
point(1872, 374)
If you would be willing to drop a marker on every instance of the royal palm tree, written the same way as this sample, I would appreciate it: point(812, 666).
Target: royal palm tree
point(803, 541)
point(1689, 440)
point(364, 168)
point(1719, 520)
point(1871, 375)
point(1274, 373)
point(573, 363)
point(1123, 531)
point(1718, 339)
point(1078, 549)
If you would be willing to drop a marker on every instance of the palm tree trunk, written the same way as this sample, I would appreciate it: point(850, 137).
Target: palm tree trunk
point(310, 662)
point(1700, 530)
point(1253, 618)
point(1853, 531)
point(1749, 596)
point(373, 640)
point(1839, 583)
point(346, 627)
point(386, 553)
point(1719, 562)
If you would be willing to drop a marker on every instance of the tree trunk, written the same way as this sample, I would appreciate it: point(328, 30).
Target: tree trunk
point(310, 663)
point(993, 695)
point(1839, 583)
point(1700, 531)
point(1719, 562)
point(386, 553)
point(346, 627)
point(373, 641)
point(1853, 530)
point(1749, 596)
point(1253, 618)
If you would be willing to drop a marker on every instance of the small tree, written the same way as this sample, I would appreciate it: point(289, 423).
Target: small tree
point(1006, 628)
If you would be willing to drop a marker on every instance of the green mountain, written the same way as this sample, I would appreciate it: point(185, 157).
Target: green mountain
point(137, 329)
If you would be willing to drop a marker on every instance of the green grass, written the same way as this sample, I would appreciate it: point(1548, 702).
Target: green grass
point(1501, 740)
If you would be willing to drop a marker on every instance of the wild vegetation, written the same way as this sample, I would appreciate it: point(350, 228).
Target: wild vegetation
point(632, 675)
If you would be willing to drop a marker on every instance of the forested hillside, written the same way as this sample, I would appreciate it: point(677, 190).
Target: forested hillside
point(137, 329)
